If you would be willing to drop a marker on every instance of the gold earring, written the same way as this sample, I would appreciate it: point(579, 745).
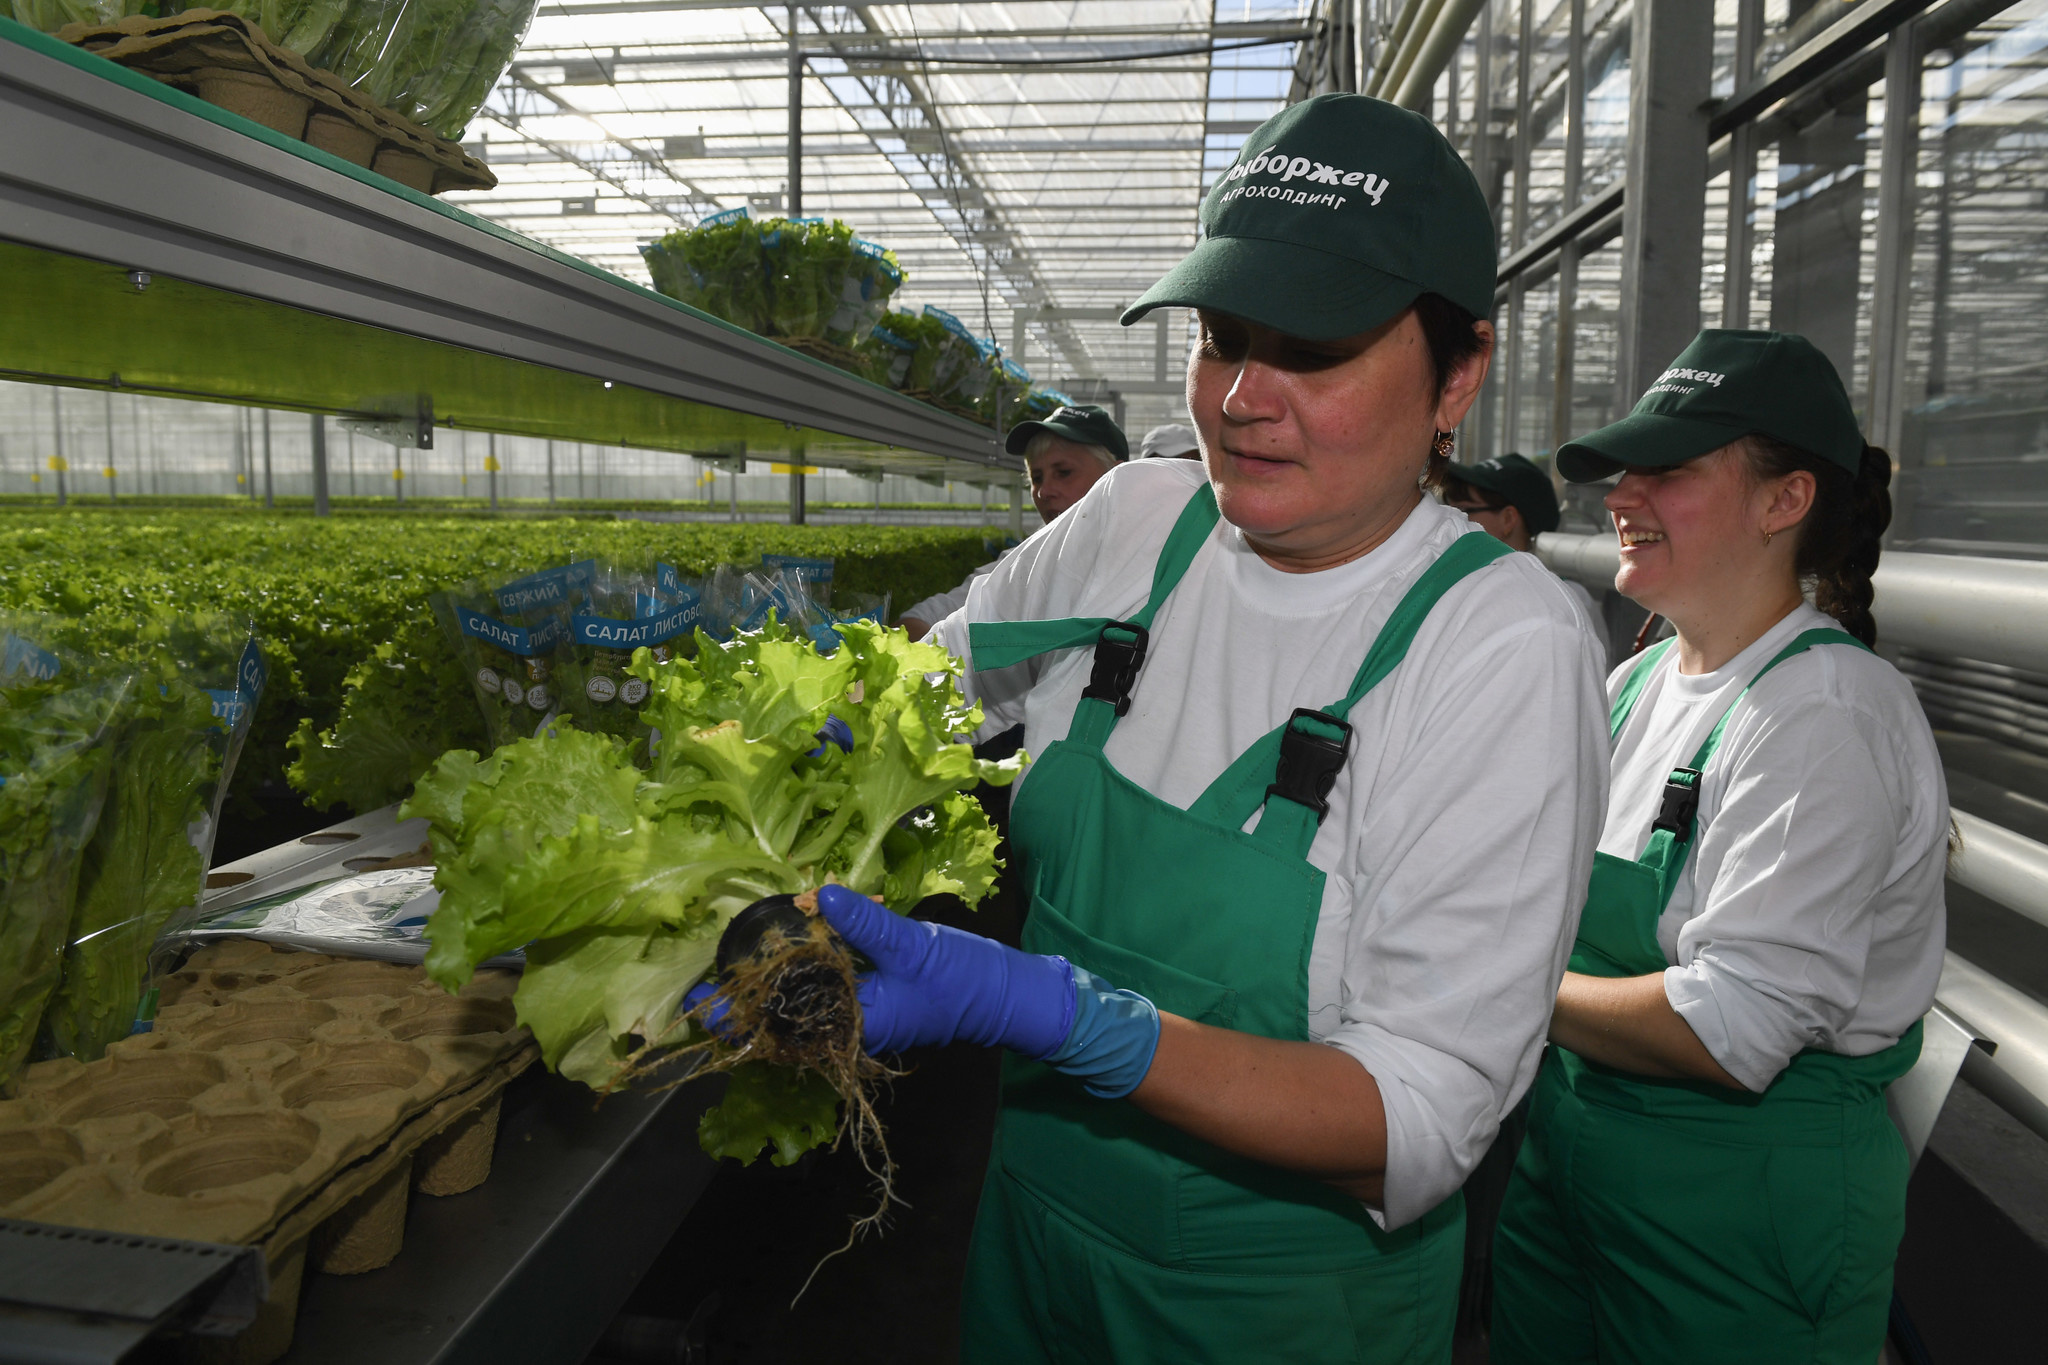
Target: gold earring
point(1441, 446)
point(1768, 535)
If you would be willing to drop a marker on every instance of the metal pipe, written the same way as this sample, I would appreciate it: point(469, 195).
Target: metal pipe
point(1995, 610)
point(2015, 1077)
point(1403, 21)
point(1434, 52)
point(2007, 867)
point(1404, 56)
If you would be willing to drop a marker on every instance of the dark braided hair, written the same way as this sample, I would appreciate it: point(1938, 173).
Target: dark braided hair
point(1839, 540)
point(1452, 336)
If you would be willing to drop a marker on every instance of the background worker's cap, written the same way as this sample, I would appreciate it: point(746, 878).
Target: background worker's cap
point(1722, 387)
point(1520, 483)
point(1168, 442)
point(1339, 212)
point(1083, 422)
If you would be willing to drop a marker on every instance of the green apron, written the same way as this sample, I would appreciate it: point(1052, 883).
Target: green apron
point(1673, 1221)
point(1105, 1235)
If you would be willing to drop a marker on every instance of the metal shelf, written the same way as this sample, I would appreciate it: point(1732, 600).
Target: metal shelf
point(265, 242)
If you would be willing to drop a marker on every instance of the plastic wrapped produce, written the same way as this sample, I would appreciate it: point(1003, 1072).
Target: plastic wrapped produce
point(53, 778)
point(173, 739)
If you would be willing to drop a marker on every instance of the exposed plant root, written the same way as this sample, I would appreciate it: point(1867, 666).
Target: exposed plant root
point(791, 1004)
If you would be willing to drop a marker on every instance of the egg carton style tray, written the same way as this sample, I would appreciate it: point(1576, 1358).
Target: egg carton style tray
point(275, 1089)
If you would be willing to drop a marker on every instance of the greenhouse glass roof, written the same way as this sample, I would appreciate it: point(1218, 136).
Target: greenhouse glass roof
point(1033, 165)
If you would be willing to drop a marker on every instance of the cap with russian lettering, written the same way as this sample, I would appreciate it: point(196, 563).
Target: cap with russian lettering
point(1083, 422)
point(1516, 480)
point(1338, 214)
point(1726, 385)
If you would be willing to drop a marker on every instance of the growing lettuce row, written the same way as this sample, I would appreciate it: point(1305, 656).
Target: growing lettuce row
point(340, 607)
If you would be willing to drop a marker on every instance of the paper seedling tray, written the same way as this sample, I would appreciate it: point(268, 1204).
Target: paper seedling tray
point(282, 1097)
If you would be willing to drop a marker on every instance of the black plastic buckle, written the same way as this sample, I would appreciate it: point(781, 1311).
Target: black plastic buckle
point(1116, 664)
point(1309, 762)
point(1681, 802)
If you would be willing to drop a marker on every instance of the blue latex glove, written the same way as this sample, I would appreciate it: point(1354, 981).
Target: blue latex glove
point(932, 984)
point(836, 731)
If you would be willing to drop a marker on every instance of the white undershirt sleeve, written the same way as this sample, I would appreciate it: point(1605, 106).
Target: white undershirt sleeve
point(1802, 840)
point(1477, 849)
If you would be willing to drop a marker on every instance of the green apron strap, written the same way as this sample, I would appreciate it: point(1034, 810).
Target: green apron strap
point(1671, 836)
point(999, 644)
point(1805, 640)
point(1245, 784)
point(1638, 679)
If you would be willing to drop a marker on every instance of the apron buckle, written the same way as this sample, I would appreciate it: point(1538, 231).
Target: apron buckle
point(1116, 664)
point(1681, 802)
point(1309, 761)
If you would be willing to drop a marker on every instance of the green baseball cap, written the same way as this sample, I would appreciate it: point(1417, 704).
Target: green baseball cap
point(1083, 422)
point(1525, 487)
point(1339, 212)
point(1724, 386)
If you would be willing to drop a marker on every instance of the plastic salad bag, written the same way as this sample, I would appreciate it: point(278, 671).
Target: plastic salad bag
point(173, 741)
point(889, 356)
point(626, 610)
point(54, 760)
point(716, 267)
point(809, 261)
point(511, 639)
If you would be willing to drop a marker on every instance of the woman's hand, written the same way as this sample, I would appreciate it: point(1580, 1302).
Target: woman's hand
point(1628, 1023)
point(932, 984)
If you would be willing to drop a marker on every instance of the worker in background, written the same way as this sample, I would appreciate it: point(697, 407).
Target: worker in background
point(1172, 441)
point(1710, 1174)
point(1513, 501)
point(1065, 454)
point(1272, 1007)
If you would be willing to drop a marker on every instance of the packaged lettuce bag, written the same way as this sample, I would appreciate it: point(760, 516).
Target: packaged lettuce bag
point(627, 609)
point(511, 640)
point(717, 267)
point(888, 356)
point(193, 683)
point(809, 260)
point(54, 761)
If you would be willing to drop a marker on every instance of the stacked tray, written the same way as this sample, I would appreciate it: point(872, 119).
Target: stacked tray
point(228, 61)
point(290, 1100)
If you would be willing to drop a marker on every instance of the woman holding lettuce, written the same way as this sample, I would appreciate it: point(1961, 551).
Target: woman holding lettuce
point(1319, 768)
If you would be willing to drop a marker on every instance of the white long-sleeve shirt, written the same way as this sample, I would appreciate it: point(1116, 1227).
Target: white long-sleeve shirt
point(1811, 912)
point(1460, 833)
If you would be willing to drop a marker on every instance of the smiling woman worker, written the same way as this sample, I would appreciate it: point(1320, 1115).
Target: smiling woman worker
point(1318, 776)
point(1710, 1174)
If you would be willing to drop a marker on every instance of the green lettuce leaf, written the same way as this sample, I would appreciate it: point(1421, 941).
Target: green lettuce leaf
point(770, 1107)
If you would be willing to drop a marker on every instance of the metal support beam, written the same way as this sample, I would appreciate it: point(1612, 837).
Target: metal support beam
point(1898, 172)
point(320, 507)
point(795, 199)
point(269, 489)
point(1564, 364)
point(1671, 69)
point(109, 471)
point(796, 487)
point(1738, 276)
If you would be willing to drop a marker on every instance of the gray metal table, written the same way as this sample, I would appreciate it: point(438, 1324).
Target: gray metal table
point(532, 1264)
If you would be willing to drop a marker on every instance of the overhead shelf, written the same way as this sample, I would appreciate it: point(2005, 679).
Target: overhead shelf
point(281, 276)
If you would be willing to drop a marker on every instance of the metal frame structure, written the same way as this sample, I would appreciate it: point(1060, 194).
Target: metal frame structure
point(154, 182)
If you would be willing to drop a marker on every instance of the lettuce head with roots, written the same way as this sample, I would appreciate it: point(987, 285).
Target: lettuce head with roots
point(617, 870)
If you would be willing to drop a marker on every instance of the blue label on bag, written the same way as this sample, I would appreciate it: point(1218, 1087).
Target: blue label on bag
point(668, 580)
point(19, 656)
point(813, 570)
point(608, 632)
point(510, 638)
point(721, 219)
point(251, 673)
